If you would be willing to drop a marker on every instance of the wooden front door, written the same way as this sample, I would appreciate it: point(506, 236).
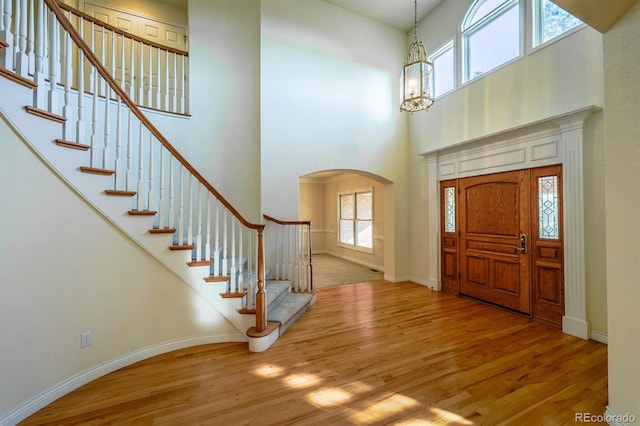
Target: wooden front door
point(494, 224)
point(501, 240)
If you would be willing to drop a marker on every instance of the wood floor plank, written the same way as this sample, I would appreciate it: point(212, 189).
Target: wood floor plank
point(370, 353)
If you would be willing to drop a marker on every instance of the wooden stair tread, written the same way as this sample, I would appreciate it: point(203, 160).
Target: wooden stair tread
point(162, 230)
point(96, 171)
point(247, 311)
point(45, 114)
point(182, 247)
point(233, 295)
point(72, 145)
point(200, 263)
point(17, 78)
point(142, 212)
point(217, 278)
point(119, 193)
point(3, 44)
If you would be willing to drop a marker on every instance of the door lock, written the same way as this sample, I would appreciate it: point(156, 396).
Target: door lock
point(523, 243)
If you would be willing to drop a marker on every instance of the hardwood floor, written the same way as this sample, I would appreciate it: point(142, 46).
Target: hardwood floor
point(370, 353)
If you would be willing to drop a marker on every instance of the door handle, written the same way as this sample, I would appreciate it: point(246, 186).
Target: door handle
point(523, 244)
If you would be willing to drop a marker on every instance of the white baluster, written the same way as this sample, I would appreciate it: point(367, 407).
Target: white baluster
point(150, 200)
point(118, 165)
point(166, 80)
point(141, 75)
point(132, 71)
point(171, 186)
point(240, 262)
point(123, 65)
point(31, 35)
point(149, 91)
point(199, 228)
point(216, 253)
point(54, 62)
point(174, 95)
point(181, 208)
point(158, 100)
point(190, 219)
point(225, 270)
point(80, 130)
point(290, 259)
point(140, 190)
point(38, 52)
point(161, 210)
point(250, 287)
point(68, 78)
point(103, 61)
point(94, 116)
point(92, 70)
point(128, 183)
point(234, 256)
point(186, 85)
point(207, 247)
point(180, 85)
point(21, 60)
point(6, 54)
point(106, 153)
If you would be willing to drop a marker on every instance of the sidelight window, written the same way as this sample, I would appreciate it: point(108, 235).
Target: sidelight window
point(450, 209)
point(548, 207)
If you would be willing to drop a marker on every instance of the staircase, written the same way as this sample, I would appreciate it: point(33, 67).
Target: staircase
point(83, 124)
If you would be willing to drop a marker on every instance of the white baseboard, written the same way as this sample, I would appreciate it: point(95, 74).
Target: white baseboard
point(576, 327)
point(28, 408)
point(600, 337)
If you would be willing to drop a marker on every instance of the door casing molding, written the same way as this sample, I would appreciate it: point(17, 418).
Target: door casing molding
point(558, 140)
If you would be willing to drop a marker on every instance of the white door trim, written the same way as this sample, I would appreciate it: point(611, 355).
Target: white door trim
point(558, 140)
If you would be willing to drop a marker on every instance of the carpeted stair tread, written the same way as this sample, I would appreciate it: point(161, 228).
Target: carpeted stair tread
point(290, 308)
point(276, 291)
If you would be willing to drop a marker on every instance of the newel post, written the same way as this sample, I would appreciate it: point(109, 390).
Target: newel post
point(261, 295)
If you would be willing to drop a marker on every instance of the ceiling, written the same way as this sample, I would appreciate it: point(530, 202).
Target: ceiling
point(395, 13)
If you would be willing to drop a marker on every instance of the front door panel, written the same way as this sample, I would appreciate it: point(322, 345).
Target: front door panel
point(494, 225)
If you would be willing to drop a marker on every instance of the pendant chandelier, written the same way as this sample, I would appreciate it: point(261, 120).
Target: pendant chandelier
point(416, 74)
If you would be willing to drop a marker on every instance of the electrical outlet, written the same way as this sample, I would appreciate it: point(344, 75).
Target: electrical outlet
point(85, 339)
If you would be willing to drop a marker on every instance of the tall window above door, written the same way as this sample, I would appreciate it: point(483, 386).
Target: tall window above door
point(491, 36)
point(356, 219)
point(550, 21)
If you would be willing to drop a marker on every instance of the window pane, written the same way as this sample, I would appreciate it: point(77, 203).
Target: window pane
point(494, 44)
point(450, 209)
point(443, 71)
point(483, 10)
point(346, 206)
point(364, 207)
point(365, 233)
point(548, 205)
point(346, 232)
point(555, 21)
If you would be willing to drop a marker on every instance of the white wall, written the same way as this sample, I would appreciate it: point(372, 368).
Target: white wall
point(330, 101)
point(222, 136)
point(622, 175)
point(65, 270)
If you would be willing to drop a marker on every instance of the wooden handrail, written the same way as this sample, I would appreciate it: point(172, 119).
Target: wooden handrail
point(110, 27)
point(93, 59)
point(287, 222)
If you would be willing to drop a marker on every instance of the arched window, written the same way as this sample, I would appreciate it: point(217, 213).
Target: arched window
point(491, 36)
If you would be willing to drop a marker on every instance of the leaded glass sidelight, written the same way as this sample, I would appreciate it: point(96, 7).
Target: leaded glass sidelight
point(450, 209)
point(548, 207)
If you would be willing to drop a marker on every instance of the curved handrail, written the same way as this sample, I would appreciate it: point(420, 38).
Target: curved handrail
point(110, 27)
point(93, 59)
point(287, 222)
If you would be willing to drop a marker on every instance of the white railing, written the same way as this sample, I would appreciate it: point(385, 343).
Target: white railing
point(154, 76)
point(122, 143)
point(289, 251)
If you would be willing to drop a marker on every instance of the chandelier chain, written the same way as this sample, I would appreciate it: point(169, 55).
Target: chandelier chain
point(415, 20)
